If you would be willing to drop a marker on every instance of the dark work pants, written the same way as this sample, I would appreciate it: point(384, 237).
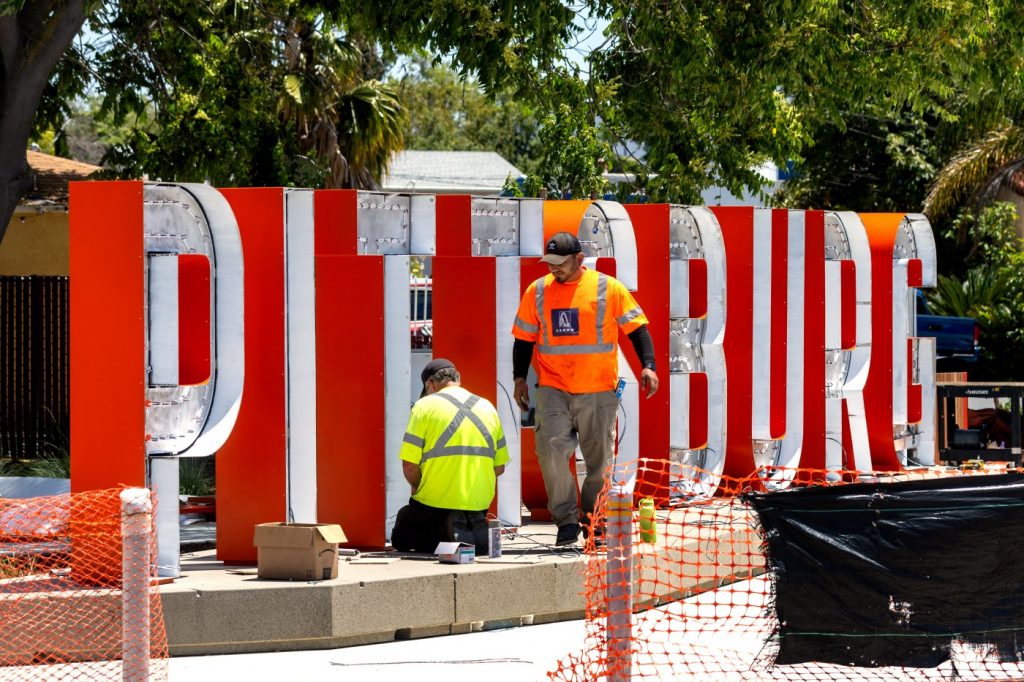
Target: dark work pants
point(419, 528)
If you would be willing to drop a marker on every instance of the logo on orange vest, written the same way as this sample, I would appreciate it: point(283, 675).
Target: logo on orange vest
point(565, 322)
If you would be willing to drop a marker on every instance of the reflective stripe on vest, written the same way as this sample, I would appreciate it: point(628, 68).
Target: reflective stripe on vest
point(413, 440)
point(577, 348)
point(630, 315)
point(525, 326)
point(465, 411)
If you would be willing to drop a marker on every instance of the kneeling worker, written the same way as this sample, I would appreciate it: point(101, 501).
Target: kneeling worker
point(452, 453)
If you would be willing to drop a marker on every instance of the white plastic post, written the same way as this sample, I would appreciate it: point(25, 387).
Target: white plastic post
point(136, 524)
point(619, 582)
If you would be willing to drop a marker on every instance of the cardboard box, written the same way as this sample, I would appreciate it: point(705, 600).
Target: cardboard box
point(297, 551)
point(455, 553)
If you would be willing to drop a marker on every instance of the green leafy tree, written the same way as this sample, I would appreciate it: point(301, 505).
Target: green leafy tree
point(572, 157)
point(351, 123)
point(990, 153)
point(574, 151)
point(987, 283)
point(205, 84)
point(690, 94)
point(88, 134)
point(448, 112)
point(287, 91)
point(511, 44)
point(438, 103)
point(244, 93)
point(711, 89)
point(874, 163)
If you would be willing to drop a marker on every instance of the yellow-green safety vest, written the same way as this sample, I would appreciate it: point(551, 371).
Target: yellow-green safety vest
point(457, 439)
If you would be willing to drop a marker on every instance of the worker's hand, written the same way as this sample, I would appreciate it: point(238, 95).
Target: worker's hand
point(648, 382)
point(521, 394)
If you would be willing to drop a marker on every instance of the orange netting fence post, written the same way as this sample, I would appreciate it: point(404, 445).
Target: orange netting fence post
point(619, 594)
point(136, 525)
point(78, 592)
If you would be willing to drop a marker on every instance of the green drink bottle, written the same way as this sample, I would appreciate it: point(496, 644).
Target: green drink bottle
point(648, 524)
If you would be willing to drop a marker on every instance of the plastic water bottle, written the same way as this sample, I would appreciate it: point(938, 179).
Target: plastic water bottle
point(648, 524)
point(494, 539)
point(619, 387)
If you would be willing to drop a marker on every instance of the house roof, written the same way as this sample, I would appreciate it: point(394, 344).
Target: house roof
point(448, 172)
point(50, 178)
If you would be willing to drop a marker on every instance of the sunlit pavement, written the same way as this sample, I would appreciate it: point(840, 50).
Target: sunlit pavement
point(510, 655)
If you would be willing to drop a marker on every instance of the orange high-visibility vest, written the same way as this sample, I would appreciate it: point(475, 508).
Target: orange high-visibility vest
point(575, 327)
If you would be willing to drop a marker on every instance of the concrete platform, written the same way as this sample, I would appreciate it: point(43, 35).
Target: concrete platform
point(377, 597)
point(384, 596)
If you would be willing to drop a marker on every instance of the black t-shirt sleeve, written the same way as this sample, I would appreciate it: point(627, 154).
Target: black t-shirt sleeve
point(643, 344)
point(522, 355)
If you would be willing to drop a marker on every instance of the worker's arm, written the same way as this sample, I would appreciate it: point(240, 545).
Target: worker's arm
point(522, 355)
point(643, 344)
point(412, 474)
point(499, 470)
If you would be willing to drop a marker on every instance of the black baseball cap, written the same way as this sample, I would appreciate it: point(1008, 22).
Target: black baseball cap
point(560, 248)
point(432, 367)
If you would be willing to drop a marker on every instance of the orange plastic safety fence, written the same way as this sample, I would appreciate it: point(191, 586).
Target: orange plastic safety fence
point(700, 592)
point(61, 615)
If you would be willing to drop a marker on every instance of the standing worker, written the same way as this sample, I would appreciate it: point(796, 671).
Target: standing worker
point(572, 319)
point(452, 453)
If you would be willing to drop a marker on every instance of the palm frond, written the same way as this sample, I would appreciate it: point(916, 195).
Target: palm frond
point(981, 288)
point(370, 121)
point(974, 169)
point(346, 125)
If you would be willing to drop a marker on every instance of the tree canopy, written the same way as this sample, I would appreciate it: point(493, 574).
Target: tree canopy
point(447, 112)
point(269, 93)
point(687, 94)
point(291, 92)
point(243, 92)
point(710, 88)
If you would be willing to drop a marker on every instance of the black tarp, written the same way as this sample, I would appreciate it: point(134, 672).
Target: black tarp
point(890, 574)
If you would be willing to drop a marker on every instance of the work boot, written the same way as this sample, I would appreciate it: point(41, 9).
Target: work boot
point(567, 534)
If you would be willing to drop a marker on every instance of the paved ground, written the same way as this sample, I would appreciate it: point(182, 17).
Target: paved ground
point(197, 536)
point(518, 654)
point(718, 636)
point(511, 655)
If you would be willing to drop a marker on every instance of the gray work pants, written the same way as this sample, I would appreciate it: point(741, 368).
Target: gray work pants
point(563, 421)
